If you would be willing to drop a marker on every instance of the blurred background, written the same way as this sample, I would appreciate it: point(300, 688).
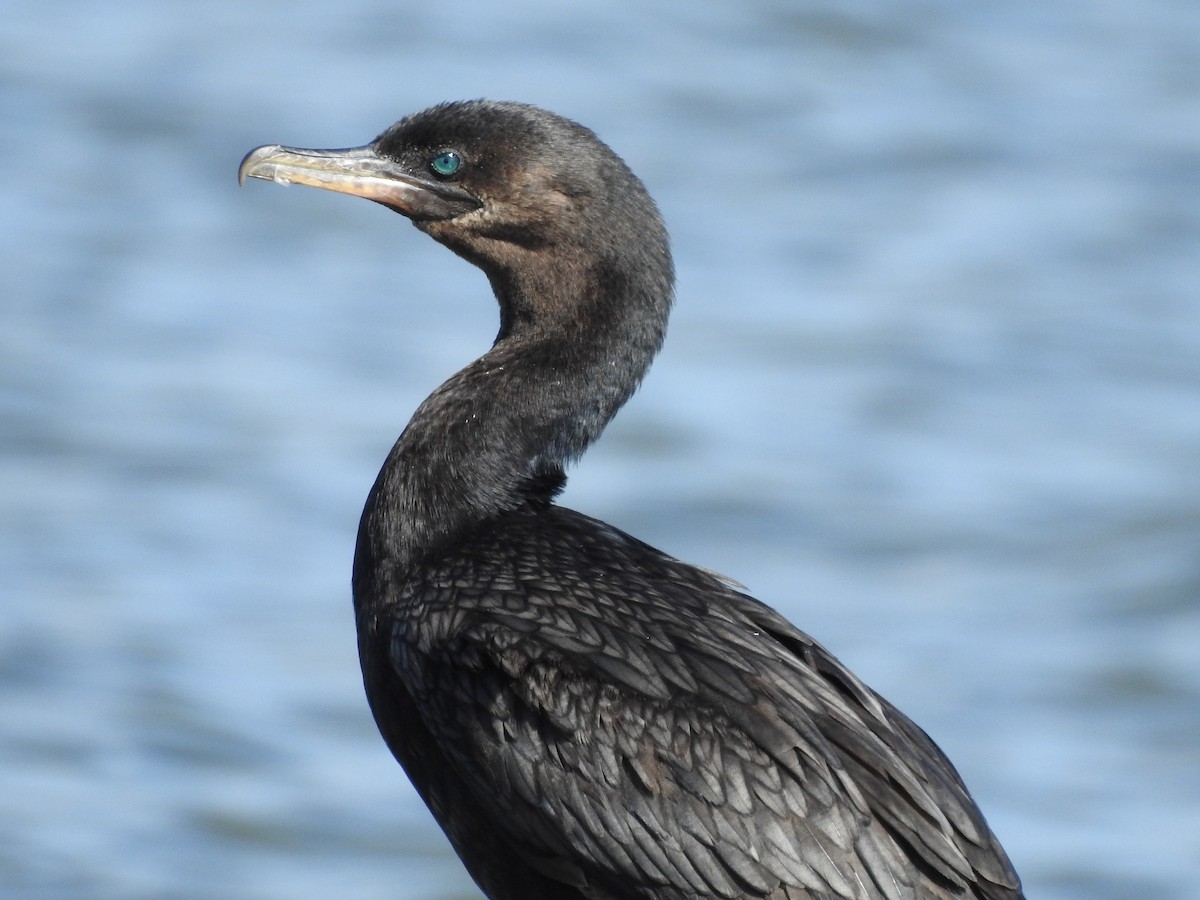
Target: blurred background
point(932, 389)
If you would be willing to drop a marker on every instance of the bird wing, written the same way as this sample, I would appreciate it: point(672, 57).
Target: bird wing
point(631, 720)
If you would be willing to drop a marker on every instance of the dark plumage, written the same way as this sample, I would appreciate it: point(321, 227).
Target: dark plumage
point(586, 716)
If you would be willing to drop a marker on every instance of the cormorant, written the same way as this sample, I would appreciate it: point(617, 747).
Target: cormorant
point(586, 716)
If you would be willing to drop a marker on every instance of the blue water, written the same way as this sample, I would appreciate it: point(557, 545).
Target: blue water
point(932, 388)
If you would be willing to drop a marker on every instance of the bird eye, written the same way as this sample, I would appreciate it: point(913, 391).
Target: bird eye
point(446, 163)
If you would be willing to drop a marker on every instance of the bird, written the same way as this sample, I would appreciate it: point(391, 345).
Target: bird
point(588, 717)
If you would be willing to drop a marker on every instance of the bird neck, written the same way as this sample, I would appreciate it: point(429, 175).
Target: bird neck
point(573, 346)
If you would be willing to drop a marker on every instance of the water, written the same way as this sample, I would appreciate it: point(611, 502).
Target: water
point(931, 389)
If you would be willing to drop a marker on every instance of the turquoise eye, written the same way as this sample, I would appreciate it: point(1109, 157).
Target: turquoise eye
point(447, 162)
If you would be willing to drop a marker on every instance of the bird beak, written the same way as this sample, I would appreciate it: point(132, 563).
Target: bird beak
point(360, 172)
